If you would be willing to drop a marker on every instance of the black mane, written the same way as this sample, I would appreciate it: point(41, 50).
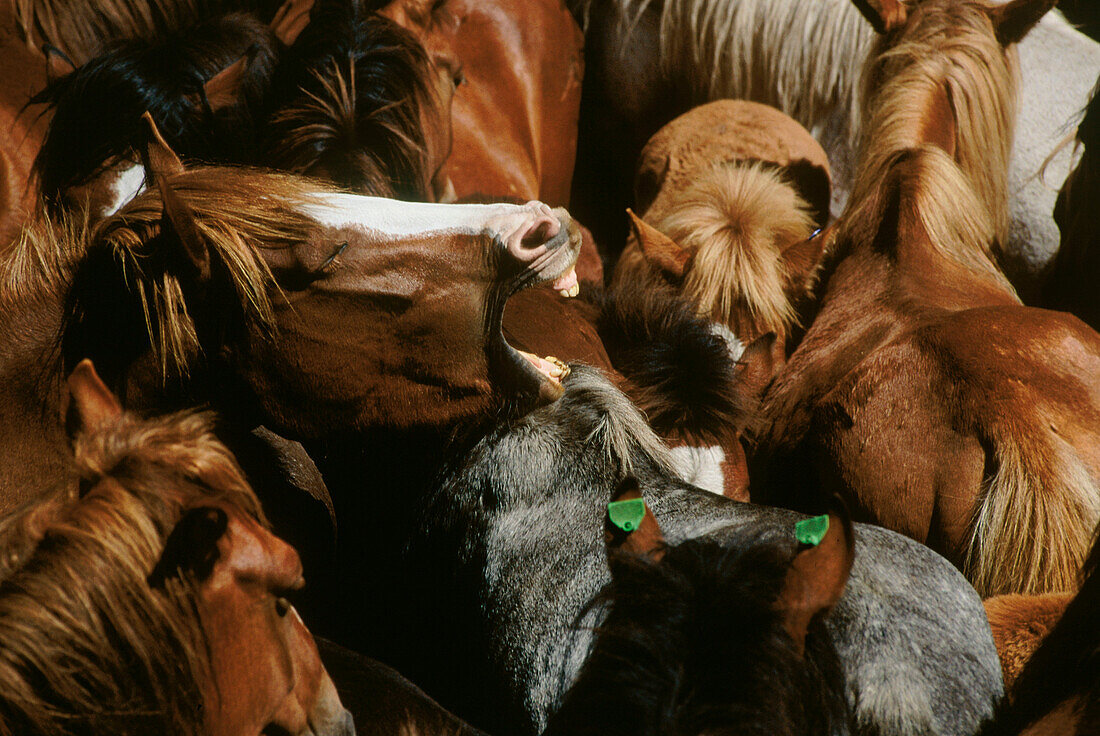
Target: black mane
point(693, 645)
point(97, 108)
point(349, 100)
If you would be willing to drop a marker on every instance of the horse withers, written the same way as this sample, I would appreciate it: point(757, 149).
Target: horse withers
point(152, 600)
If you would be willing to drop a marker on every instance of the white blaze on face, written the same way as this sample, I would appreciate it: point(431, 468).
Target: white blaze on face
point(402, 219)
point(701, 466)
point(733, 343)
point(126, 185)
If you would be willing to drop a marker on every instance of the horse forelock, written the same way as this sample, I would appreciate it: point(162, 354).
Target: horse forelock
point(949, 46)
point(355, 113)
point(736, 219)
point(238, 212)
point(89, 645)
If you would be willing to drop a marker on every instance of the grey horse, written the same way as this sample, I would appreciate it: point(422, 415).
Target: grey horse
point(495, 606)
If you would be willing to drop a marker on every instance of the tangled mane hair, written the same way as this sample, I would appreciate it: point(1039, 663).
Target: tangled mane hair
point(90, 647)
point(351, 100)
point(795, 55)
point(933, 188)
point(693, 644)
point(126, 298)
point(736, 219)
point(97, 108)
point(949, 44)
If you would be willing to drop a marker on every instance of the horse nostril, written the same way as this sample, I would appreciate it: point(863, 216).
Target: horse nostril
point(540, 231)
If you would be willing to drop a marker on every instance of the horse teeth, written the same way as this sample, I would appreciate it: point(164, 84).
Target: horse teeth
point(574, 289)
point(564, 293)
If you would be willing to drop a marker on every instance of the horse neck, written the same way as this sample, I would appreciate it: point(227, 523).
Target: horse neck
point(33, 446)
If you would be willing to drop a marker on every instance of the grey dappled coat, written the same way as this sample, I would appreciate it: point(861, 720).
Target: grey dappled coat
point(526, 512)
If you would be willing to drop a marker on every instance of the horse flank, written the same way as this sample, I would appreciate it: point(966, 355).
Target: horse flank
point(959, 52)
point(83, 630)
point(735, 219)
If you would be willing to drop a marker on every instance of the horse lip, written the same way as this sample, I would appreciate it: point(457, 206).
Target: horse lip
point(560, 256)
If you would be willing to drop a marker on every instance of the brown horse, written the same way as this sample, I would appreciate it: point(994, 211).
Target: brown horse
point(1019, 623)
point(21, 130)
point(153, 600)
point(923, 391)
point(372, 312)
point(730, 194)
point(515, 116)
point(1058, 691)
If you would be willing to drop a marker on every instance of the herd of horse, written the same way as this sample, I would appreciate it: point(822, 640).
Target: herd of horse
point(789, 424)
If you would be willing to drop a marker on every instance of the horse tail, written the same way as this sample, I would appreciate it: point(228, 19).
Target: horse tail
point(1035, 519)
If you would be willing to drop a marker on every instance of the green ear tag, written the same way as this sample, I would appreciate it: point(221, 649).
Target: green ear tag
point(627, 515)
point(812, 531)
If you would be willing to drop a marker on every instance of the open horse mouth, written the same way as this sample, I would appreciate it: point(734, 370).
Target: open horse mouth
point(556, 268)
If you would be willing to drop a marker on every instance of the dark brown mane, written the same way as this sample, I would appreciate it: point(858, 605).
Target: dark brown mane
point(123, 285)
point(89, 646)
point(351, 101)
point(97, 108)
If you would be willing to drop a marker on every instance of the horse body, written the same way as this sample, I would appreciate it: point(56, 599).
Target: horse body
point(652, 61)
point(505, 555)
point(919, 335)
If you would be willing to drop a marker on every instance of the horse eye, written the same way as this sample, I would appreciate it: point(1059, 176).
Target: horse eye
point(328, 261)
point(282, 606)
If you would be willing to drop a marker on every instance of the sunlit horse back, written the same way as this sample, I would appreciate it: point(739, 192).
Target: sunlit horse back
point(923, 389)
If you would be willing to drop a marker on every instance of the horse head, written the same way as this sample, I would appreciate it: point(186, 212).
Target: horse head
point(324, 311)
point(158, 577)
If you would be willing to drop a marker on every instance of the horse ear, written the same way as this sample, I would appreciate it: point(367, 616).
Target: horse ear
point(640, 536)
point(91, 404)
point(290, 20)
point(755, 369)
point(178, 222)
point(817, 575)
point(1013, 20)
point(58, 64)
point(884, 15)
point(192, 546)
point(224, 88)
point(801, 261)
point(659, 249)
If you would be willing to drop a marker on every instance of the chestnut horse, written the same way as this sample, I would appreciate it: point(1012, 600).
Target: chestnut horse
point(515, 114)
point(923, 391)
point(730, 195)
point(1019, 623)
point(650, 60)
point(1058, 691)
point(153, 600)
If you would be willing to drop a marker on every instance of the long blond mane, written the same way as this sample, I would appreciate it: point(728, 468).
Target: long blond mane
point(89, 645)
point(947, 44)
point(735, 220)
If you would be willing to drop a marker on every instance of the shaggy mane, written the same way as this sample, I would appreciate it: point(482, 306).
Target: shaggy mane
point(89, 645)
point(679, 373)
point(350, 105)
point(693, 645)
point(238, 211)
point(936, 191)
point(945, 44)
point(735, 219)
point(795, 55)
